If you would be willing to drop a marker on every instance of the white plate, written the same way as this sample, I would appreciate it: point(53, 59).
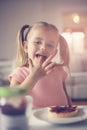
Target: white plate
point(42, 114)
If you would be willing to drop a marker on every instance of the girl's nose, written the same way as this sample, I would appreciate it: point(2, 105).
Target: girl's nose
point(43, 47)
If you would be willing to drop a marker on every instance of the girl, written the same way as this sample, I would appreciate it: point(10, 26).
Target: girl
point(45, 80)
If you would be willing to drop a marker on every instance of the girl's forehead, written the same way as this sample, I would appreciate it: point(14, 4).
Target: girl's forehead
point(43, 31)
point(43, 28)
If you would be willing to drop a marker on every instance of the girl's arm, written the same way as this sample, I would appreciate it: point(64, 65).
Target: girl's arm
point(28, 83)
point(67, 96)
point(36, 72)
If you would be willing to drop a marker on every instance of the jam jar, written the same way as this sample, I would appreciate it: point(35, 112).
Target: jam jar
point(13, 108)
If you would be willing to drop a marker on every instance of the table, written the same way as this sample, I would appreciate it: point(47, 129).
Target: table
point(36, 124)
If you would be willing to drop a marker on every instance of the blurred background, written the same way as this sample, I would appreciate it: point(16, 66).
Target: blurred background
point(70, 17)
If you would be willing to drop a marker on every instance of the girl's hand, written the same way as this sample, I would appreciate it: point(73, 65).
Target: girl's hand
point(48, 65)
point(42, 68)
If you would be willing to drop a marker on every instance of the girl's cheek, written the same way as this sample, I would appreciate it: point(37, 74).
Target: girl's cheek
point(31, 54)
point(50, 52)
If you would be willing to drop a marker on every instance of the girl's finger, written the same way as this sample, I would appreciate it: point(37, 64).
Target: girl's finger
point(48, 60)
point(50, 66)
point(30, 63)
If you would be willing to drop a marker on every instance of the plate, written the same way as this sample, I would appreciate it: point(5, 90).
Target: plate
point(42, 114)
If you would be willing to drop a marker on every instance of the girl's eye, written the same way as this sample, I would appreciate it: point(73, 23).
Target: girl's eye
point(37, 42)
point(50, 45)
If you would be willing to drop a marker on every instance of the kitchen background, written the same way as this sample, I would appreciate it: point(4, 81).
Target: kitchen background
point(70, 16)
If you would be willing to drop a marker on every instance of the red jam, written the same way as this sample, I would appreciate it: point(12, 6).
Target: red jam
point(9, 109)
point(59, 109)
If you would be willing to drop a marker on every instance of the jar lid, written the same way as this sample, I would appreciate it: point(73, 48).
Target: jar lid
point(11, 91)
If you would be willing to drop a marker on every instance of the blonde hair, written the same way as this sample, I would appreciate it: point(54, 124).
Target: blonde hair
point(21, 58)
point(64, 51)
point(23, 35)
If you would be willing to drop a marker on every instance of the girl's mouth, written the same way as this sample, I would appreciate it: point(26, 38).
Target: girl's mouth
point(40, 55)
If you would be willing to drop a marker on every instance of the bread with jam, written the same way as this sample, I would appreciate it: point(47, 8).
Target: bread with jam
point(62, 111)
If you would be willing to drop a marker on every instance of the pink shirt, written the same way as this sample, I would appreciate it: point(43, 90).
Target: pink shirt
point(48, 91)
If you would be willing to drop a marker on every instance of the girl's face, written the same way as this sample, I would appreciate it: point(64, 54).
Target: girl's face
point(42, 42)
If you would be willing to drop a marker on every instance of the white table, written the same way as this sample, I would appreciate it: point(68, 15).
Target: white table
point(36, 124)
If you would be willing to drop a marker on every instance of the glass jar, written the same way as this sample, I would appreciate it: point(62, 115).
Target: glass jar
point(14, 106)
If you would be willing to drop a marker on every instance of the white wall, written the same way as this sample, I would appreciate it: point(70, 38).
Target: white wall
point(15, 13)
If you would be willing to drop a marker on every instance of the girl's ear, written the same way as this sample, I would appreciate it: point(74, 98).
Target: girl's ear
point(25, 46)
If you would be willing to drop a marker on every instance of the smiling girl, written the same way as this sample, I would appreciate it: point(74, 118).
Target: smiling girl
point(44, 79)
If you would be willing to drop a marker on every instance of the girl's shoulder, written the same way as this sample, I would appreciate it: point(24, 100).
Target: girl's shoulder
point(19, 73)
point(21, 69)
point(60, 70)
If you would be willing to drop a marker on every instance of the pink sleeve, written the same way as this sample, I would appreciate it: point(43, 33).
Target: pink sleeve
point(18, 75)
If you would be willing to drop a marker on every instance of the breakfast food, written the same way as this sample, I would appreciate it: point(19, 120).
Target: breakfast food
point(62, 111)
